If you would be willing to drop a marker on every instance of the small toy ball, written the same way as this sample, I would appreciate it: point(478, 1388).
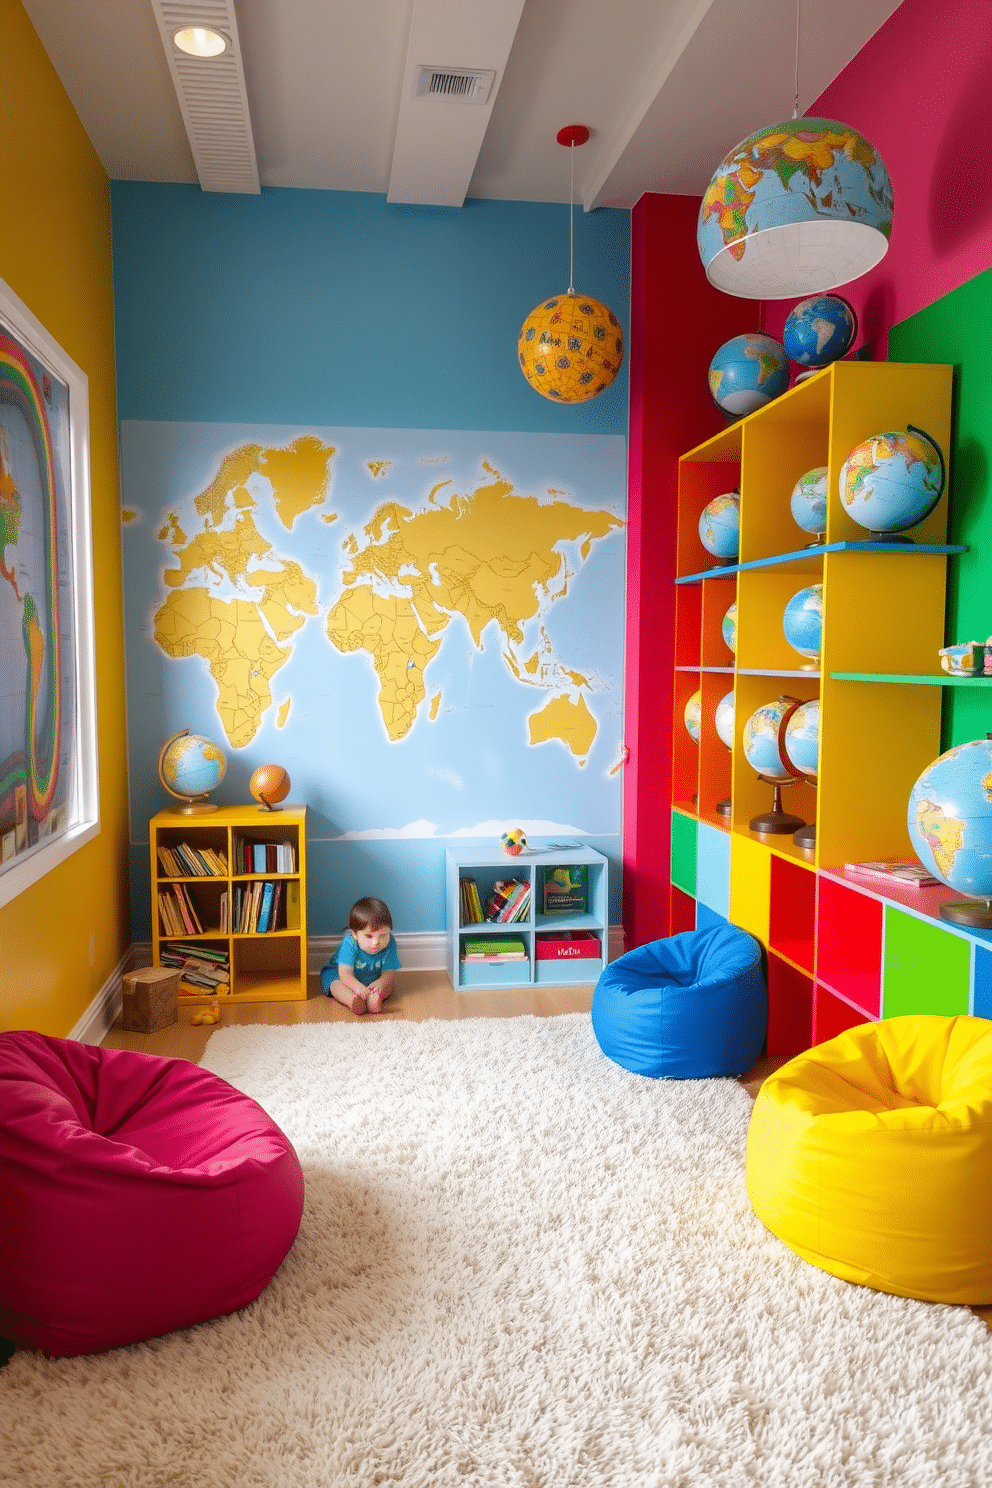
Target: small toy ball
point(270, 784)
point(209, 1014)
point(514, 842)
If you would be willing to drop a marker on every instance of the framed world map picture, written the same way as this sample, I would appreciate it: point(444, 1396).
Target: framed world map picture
point(48, 754)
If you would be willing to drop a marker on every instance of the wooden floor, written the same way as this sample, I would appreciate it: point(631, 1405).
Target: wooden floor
point(418, 995)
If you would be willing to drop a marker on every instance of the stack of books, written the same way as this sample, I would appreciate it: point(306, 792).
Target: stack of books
point(499, 948)
point(566, 890)
point(471, 904)
point(184, 861)
point(264, 857)
point(509, 901)
point(178, 911)
point(908, 873)
point(202, 969)
point(262, 907)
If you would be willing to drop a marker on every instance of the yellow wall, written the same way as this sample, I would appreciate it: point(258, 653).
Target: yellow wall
point(55, 254)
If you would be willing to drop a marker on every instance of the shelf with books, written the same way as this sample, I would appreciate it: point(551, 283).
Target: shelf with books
point(254, 921)
point(570, 880)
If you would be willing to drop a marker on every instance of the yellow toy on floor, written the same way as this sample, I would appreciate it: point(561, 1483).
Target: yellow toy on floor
point(209, 1014)
point(871, 1156)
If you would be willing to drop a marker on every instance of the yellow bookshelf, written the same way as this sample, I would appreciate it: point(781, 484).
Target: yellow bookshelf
point(263, 966)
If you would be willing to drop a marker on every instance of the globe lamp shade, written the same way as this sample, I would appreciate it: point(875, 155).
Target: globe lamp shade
point(794, 210)
point(570, 348)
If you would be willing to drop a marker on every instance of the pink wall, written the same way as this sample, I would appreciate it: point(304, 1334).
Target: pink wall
point(921, 91)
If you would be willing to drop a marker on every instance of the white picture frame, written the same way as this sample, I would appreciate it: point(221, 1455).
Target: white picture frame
point(47, 653)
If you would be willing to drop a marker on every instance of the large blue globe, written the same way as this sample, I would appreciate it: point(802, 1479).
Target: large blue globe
point(747, 372)
point(189, 766)
point(950, 818)
point(763, 740)
point(819, 330)
point(802, 620)
point(893, 480)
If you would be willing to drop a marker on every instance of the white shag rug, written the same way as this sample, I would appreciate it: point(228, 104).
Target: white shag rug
point(519, 1267)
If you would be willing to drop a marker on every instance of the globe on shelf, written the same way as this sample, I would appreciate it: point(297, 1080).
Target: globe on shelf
point(802, 746)
point(820, 330)
point(693, 716)
point(802, 623)
point(728, 628)
point(763, 743)
point(893, 481)
point(808, 502)
point(270, 784)
point(723, 719)
point(747, 372)
point(570, 348)
point(720, 527)
point(950, 827)
point(190, 767)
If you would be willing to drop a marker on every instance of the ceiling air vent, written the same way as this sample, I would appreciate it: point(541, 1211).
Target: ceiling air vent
point(457, 84)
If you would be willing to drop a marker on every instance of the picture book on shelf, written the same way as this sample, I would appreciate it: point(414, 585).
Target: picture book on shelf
point(903, 871)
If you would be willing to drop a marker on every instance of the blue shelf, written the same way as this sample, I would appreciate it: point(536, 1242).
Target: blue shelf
point(783, 560)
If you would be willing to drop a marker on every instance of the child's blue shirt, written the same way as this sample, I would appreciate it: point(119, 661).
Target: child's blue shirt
point(366, 968)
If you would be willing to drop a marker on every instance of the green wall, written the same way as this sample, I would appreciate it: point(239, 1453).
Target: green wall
point(958, 329)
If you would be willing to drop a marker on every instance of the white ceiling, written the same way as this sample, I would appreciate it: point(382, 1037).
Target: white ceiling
point(666, 87)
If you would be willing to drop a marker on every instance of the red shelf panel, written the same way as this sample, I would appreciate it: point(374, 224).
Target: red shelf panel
point(790, 1008)
point(832, 1015)
point(792, 914)
point(849, 944)
point(683, 911)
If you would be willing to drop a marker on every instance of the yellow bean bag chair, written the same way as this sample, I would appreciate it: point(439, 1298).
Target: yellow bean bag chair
point(871, 1157)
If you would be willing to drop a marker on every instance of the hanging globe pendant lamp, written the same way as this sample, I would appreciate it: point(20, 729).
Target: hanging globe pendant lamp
point(795, 209)
point(570, 346)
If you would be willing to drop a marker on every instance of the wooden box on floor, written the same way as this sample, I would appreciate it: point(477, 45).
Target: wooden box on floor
point(151, 999)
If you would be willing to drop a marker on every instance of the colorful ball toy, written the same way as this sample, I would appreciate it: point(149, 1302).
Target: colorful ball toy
point(513, 842)
point(570, 348)
point(269, 784)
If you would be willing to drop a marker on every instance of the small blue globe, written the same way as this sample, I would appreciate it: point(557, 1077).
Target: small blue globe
point(693, 716)
point(723, 719)
point(802, 739)
point(808, 503)
point(802, 621)
point(728, 628)
point(950, 818)
point(747, 372)
point(720, 527)
point(820, 330)
point(763, 740)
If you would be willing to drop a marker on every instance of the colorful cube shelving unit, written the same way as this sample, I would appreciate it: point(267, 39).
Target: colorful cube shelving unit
point(840, 950)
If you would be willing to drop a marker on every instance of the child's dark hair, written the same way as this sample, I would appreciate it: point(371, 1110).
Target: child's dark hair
point(369, 914)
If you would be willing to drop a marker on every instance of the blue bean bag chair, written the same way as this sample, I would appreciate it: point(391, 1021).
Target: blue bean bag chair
point(684, 1008)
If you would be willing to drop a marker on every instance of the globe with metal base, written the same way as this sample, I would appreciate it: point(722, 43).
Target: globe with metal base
point(764, 750)
point(189, 768)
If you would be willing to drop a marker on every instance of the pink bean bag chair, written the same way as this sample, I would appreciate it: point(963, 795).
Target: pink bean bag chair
point(137, 1195)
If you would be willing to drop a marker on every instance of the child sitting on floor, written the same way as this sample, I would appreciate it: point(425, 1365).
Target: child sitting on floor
point(360, 974)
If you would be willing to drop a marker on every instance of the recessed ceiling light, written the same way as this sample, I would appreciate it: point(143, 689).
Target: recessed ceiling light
point(200, 41)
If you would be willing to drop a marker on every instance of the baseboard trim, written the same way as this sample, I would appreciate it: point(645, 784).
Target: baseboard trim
point(105, 1008)
point(420, 950)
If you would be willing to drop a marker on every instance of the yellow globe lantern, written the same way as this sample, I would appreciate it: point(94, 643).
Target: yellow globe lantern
point(570, 347)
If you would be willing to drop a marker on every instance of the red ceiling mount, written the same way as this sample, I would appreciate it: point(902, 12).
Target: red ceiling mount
point(572, 134)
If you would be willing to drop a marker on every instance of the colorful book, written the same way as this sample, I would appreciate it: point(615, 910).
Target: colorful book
point(293, 904)
point(495, 948)
point(265, 907)
point(566, 890)
point(908, 873)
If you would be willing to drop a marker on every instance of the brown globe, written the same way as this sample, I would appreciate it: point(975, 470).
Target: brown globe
point(269, 784)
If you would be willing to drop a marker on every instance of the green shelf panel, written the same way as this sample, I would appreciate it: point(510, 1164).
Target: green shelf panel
point(926, 970)
point(941, 679)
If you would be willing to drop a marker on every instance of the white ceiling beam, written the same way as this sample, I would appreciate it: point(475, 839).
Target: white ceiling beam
point(676, 35)
point(438, 139)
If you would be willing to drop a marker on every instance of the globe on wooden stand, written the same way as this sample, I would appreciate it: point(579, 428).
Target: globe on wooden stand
point(270, 784)
point(764, 750)
point(189, 768)
point(950, 826)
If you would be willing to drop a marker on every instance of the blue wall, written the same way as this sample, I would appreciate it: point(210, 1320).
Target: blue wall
point(338, 308)
point(322, 310)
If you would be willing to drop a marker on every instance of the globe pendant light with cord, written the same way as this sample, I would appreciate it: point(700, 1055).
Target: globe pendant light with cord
point(795, 209)
point(570, 347)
